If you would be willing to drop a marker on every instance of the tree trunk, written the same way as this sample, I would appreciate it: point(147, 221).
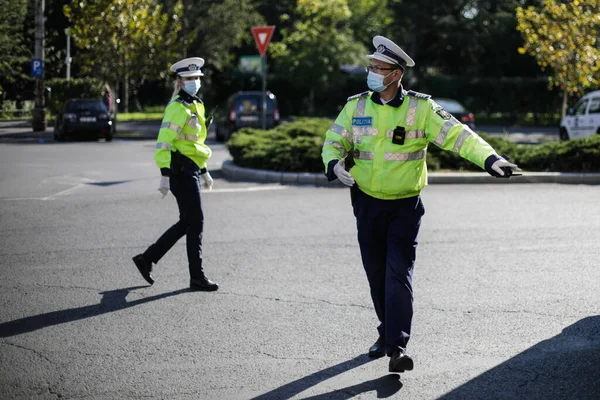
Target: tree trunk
point(116, 106)
point(311, 101)
point(126, 93)
point(564, 105)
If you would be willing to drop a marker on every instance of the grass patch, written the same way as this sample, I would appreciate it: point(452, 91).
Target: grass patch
point(139, 116)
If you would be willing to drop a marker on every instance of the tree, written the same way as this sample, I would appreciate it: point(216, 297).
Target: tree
point(563, 37)
point(124, 40)
point(319, 43)
point(14, 54)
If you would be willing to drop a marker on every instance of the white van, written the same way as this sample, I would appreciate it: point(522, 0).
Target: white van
point(583, 120)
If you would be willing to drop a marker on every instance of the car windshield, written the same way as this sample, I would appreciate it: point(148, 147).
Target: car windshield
point(452, 106)
point(82, 105)
point(252, 104)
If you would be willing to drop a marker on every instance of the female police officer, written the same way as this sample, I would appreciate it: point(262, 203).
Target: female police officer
point(386, 131)
point(181, 156)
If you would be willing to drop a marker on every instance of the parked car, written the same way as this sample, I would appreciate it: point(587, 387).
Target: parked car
point(583, 119)
point(458, 111)
point(83, 118)
point(244, 110)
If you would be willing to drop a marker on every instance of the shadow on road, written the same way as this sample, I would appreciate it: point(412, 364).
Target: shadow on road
point(566, 366)
point(113, 300)
point(385, 386)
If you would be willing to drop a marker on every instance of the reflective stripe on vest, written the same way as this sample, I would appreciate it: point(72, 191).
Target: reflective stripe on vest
point(338, 146)
point(360, 107)
point(415, 134)
point(340, 130)
point(368, 155)
point(163, 145)
point(411, 113)
point(191, 138)
point(461, 139)
point(171, 126)
point(359, 131)
point(441, 137)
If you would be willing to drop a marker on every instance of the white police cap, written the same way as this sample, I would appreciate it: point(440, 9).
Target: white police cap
point(389, 52)
point(188, 67)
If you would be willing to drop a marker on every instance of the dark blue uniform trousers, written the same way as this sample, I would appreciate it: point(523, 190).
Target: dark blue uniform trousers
point(186, 189)
point(387, 236)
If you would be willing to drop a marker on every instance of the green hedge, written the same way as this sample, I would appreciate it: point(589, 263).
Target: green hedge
point(296, 147)
point(63, 90)
point(291, 147)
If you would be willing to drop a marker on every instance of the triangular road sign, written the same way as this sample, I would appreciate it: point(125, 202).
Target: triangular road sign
point(262, 37)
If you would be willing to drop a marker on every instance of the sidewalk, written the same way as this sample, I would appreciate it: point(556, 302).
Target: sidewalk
point(233, 172)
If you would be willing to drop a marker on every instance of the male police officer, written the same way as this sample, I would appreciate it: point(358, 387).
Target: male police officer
point(386, 132)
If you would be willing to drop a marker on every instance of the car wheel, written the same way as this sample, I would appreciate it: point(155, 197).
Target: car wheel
point(563, 135)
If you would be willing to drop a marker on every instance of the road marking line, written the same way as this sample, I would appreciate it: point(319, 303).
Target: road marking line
point(247, 189)
point(62, 193)
point(204, 191)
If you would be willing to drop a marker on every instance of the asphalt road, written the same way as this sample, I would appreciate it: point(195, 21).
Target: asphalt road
point(506, 288)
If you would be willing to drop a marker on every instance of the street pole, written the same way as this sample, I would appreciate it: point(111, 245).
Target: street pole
point(68, 58)
point(39, 111)
point(264, 90)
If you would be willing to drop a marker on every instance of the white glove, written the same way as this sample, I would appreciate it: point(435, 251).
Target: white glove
point(343, 175)
point(208, 180)
point(164, 186)
point(503, 163)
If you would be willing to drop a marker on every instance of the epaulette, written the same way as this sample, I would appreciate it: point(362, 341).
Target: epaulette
point(418, 95)
point(356, 96)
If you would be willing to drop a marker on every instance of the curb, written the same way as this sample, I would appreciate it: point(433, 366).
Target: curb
point(233, 172)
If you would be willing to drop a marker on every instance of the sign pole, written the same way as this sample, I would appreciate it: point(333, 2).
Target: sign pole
point(264, 90)
point(262, 36)
point(39, 112)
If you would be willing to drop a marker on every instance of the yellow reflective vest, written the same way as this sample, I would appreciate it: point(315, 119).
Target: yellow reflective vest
point(383, 169)
point(183, 129)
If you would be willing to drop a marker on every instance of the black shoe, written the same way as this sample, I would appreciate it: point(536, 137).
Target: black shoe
point(400, 362)
point(203, 284)
point(378, 348)
point(144, 267)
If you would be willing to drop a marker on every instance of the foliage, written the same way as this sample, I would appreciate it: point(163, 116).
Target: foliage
point(317, 45)
point(563, 37)
point(63, 90)
point(512, 96)
point(217, 31)
point(224, 26)
point(368, 19)
point(460, 37)
point(124, 39)
point(296, 147)
point(291, 147)
point(13, 52)
point(578, 155)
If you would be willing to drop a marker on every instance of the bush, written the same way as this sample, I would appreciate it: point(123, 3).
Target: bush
point(63, 90)
point(296, 147)
point(578, 155)
point(291, 147)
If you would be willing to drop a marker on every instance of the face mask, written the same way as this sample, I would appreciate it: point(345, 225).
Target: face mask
point(192, 87)
point(375, 81)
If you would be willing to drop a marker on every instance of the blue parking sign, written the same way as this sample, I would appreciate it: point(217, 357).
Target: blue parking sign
point(37, 67)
